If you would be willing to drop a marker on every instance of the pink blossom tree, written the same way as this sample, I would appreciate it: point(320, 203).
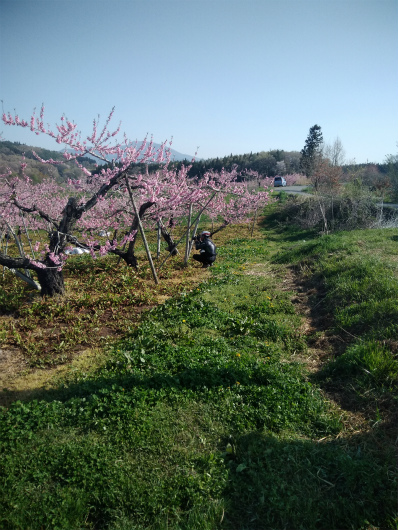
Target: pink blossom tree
point(235, 200)
point(60, 209)
point(112, 201)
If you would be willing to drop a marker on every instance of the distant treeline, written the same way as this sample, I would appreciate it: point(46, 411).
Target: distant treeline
point(271, 163)
point(266, 163)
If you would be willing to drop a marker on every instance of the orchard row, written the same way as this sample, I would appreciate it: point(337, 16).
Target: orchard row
point(114, 200)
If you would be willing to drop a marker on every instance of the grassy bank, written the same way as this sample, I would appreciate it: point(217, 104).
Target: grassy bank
point(206, 415)
point(354, 278)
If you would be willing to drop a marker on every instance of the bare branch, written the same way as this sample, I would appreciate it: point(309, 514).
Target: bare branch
point(17, 263)
point(34, 209)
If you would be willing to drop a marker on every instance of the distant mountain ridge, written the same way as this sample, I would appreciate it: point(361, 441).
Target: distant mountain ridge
point(11, 154)
point(175, 155)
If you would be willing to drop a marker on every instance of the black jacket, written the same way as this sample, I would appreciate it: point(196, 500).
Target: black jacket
point(206, 247)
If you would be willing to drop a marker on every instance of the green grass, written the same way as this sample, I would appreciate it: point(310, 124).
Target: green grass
point(281, 482)
point(368, 363)
point(203, 418)
point(357, 273)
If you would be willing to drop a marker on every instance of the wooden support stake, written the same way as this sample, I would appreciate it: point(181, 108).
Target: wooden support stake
point(155, 277)
point(27, 235)
point(194, 233)
point(254, 221)
point(20, 247)
point(7, 237)
point(159, 236)
point(187, 241)
point(25, 278)
point(189, 227)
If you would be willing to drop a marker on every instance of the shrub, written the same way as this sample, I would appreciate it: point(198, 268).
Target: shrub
point(336, 213)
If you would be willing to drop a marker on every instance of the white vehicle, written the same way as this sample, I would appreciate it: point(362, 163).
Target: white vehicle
point(279, 181)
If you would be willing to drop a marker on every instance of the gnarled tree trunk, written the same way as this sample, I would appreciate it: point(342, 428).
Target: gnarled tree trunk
point(128, 256)
point(51, 282)
point(51, 279)
point(169, 240)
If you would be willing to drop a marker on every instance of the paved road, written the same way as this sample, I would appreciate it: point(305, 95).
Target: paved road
point(297, 190)
point(388, 205)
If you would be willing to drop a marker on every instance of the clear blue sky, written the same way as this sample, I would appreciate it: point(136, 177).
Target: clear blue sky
point(229, 76)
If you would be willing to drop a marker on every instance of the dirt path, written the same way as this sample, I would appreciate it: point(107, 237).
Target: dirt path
point(323, 345)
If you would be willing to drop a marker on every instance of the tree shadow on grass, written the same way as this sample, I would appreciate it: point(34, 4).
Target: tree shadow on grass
point(274, 481)
point(195, 379)
point(304, 484)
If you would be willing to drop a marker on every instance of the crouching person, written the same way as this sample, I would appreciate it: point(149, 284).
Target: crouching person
point(207, 249)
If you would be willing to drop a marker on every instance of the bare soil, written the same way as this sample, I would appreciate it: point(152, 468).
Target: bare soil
point(19, 380)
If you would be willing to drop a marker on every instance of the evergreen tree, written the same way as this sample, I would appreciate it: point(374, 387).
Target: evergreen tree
point(311, 151)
